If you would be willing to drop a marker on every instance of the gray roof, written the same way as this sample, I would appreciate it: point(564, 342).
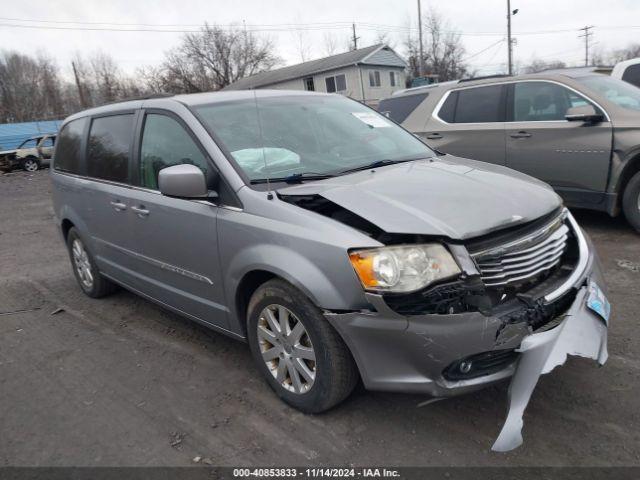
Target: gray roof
point(365, 55)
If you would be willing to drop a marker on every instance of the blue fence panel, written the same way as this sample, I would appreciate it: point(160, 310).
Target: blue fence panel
point(13, 134)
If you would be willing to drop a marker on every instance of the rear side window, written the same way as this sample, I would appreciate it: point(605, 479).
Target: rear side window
point(68, 154)
point(479, 105)
point(399, 108)
point(109, 145)
point(632, 75)
point(165, 143)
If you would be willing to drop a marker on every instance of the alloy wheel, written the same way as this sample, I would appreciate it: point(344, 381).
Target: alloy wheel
point(30, 165)
point(286, 348)
point(82, 264)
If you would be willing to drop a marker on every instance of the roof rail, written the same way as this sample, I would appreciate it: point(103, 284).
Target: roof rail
point(471, 79)
point(149, 96)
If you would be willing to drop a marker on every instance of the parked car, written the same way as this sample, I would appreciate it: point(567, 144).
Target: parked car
point(332, 240)
point(575, 129)
point(629, 71)
point(32, 154)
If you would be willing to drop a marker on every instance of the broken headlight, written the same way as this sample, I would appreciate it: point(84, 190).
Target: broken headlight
point(403, 268)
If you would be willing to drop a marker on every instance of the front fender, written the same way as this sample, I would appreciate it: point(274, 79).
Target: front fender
point(296, 269)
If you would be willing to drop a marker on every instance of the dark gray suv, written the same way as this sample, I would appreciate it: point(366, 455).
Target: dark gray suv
point(338, 245)
point(575, 129)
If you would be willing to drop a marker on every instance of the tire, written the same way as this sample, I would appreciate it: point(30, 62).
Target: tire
point(30, 164)
point(335, 373)
point(83, 265)
point(631, 201)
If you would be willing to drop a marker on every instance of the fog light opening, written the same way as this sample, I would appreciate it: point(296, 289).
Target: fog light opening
point(465, 366)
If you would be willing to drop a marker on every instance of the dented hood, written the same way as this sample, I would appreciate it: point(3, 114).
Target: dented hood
point(445, 196)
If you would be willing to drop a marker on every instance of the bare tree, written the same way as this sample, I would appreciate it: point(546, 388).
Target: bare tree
point(443, 50)
point(20, 88)
point(212, 59)
point(330, 43)
point(384, 37)
point(107, 83)
point(538, 65)
point(602, 56)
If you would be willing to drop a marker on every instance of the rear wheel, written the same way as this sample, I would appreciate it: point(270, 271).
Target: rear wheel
point(302, 357)
point(84, 268)
point(631, 201)
point(30, 164)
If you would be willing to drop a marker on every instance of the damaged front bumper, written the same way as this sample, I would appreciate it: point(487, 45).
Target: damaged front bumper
point(414, 353)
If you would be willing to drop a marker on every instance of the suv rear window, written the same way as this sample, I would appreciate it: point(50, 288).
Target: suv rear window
point(632, 75)
point(399, 108)
point(68, 154)
point(479, 105)
point(109, 144)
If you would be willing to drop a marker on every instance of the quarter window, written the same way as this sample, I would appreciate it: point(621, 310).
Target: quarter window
point(479, 105)
point(632, 75)
point(109, 145)
point(374, 78)
point(165, 143)
point(68, 154)
point(544, 102)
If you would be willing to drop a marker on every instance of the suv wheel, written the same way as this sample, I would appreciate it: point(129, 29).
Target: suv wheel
point(30, 164)
point(302, 357)
point(84, 268)
point(631, 201)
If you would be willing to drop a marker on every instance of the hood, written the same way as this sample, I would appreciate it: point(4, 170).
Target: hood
point(7, 152)
point(445, 196)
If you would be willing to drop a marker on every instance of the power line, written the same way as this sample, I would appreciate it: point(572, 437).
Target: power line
point(483, 50)
point(188, 28)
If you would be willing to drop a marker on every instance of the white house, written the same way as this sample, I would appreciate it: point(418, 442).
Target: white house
point(367, 74)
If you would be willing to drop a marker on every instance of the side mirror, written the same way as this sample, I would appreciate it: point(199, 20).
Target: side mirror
point(585, 113)
point(183, 181)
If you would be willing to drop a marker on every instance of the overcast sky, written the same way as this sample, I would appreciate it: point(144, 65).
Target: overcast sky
point(481, 23)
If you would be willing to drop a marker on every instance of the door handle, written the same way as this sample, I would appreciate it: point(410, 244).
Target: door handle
point(141, 211)
point(434, 136)
point(520, 134)
point(118, 206)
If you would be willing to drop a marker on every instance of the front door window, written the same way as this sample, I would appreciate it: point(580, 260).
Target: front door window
point(165, 143)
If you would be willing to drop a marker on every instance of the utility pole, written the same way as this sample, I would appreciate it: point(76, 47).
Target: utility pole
point(421, 62)
point(510, 41)
point(355, 39)
point(83, 102)
point(509, 44)
point(587, 34)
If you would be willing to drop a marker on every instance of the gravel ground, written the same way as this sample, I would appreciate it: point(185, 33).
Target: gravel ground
point(119, 381)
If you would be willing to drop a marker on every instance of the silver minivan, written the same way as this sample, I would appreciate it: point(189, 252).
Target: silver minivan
point(336, 243)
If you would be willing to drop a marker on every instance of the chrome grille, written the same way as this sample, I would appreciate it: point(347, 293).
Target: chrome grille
point(523, 259)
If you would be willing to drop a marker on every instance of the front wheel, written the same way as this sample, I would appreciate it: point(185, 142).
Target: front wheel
point(30, 164)
point(302, 357)
point(631, 201)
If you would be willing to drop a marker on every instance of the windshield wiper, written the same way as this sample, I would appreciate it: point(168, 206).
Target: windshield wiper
point(295, 178)
point(376, 164)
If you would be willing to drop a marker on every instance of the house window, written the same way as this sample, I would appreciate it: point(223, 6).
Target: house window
point(308, 84)
point(337, 83)
point(374, 78)
point(393, 78)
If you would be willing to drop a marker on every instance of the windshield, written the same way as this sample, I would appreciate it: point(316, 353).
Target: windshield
point(281, 136)
point(30, 143)
point(616, 91)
